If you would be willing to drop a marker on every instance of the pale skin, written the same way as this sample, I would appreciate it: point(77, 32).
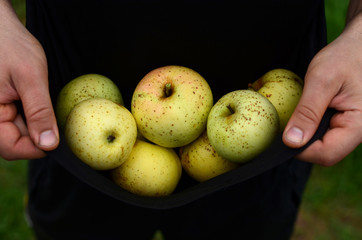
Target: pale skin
point(333, 80)
point(23, 65)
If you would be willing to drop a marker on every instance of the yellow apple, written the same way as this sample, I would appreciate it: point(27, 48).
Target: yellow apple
point(150, 170)
point(82, 88)
point(241, 125)
point(283, 88)
point(101, 133)
point(201, 162)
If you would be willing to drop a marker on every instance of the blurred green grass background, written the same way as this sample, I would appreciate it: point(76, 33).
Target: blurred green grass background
point(332, 203)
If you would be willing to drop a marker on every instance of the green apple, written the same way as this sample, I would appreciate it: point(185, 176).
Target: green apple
point(241, 125)
point(171, 105)
point(201, 162)
point(82, 88)
point(150, 170)
point(283, 88)
point(101, 133)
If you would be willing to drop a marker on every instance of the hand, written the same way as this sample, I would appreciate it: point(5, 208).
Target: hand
point(23, 78)
point(333, 79)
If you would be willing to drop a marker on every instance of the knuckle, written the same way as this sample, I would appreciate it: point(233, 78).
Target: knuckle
point(319, 154)
point(39, 113)
point(31, 70)
point(7, 153)
point(17, 149)
point(322, 73)
point(307, 114)
point(326, 160)
point(8, 157)
point(7, 112)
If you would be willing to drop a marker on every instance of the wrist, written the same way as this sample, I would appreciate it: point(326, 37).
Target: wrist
point(353, 28)
point(8, 17)
point(354, 9)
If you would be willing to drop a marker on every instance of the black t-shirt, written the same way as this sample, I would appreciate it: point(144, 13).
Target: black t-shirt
point(230, 45)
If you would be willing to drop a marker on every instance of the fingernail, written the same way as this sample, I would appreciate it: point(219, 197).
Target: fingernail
point(47, 138)
point(295, 135)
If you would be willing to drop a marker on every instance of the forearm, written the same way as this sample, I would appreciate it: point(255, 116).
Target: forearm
point(8, 18)
point(353, 27)
point(354, 9)
point(6, 10)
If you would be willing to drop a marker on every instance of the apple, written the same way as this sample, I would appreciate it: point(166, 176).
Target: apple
point(82, 88)
point(241, 125)
point(101, 133)
point(201, 162)
point(150, 170)
point(283, 88)
point(171, 105)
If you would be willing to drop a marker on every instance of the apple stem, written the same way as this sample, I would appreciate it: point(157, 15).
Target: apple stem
point(231, 109)
point(111, 138)
point(168, 89)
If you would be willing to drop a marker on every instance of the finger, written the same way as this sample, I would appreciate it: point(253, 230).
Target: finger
point(20, 124)
point(7, 112)
point(38, 110)
point(330, 149)
point(13, 145)
point(317, 94)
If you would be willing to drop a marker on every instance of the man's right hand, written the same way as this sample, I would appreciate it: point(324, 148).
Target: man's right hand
point(23, 78)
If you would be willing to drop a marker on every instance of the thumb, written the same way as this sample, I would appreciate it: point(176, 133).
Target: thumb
point(318, 92)
point(40, 118)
